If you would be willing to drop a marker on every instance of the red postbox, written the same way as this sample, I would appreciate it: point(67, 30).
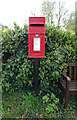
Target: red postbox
point(36, 42)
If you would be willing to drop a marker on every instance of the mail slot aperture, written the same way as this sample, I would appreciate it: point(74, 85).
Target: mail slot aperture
point(36, 25)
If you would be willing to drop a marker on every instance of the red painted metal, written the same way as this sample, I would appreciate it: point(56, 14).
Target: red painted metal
point(36, 37)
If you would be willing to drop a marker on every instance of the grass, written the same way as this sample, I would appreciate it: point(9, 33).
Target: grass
point(24, 105)
point(12, 106)
point(17, 105)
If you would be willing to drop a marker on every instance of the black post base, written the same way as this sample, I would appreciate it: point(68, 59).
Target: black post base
point(36, 72)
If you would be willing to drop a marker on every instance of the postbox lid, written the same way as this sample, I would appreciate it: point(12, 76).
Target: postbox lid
point(37, 25)
point(37, 20)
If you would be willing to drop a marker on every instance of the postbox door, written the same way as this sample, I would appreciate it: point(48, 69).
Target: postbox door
point(37, 45)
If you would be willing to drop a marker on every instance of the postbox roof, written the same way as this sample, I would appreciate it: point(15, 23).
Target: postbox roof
point(37, 20)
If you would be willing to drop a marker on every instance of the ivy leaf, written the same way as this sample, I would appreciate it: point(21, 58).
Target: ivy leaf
point(27, 69)
point(11, 74)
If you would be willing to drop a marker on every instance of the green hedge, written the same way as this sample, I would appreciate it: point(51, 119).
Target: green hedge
point(17, 68)
point(60, 49)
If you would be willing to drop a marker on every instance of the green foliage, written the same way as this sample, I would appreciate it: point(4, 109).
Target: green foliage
point(16, 64)
point(12, 106)
point(22, 105)
point(18, 68)
point(71, 22)
point(60, 49)
point(32, 105)
point(48, 11)
point(51, 105)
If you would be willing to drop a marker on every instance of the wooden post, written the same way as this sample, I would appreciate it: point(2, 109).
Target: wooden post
point(36, 72)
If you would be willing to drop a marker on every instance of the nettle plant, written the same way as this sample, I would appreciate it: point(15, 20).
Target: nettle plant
point(17, 67)
point(50, 103)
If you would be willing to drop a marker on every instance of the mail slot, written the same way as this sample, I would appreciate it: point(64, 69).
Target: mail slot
point(36, 41)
